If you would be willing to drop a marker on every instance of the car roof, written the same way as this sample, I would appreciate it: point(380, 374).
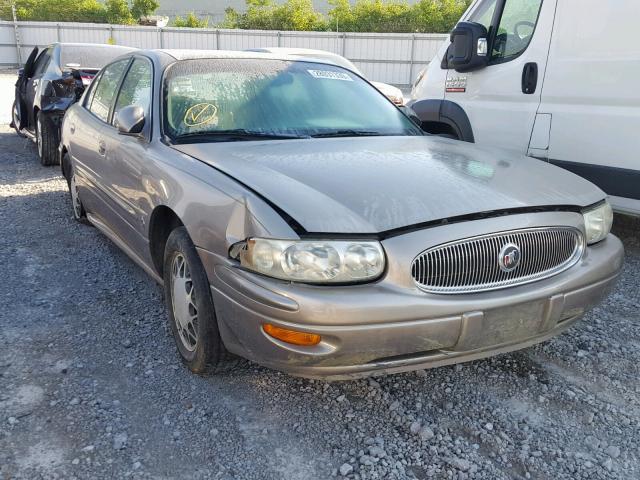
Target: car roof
point(232, 54)
point(310, 53)
point(93, 45)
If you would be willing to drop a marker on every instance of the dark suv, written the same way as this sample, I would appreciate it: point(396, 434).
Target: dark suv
point(53, 78)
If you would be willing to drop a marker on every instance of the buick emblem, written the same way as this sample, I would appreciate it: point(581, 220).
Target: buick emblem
point(509, 257)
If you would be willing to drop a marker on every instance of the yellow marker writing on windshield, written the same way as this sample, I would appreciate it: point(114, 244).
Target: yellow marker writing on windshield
point(200, 114)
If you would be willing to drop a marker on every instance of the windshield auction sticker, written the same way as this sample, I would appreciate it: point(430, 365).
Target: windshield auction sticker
point(330, 75)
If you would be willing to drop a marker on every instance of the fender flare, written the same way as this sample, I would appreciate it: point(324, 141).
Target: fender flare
point(447, 112)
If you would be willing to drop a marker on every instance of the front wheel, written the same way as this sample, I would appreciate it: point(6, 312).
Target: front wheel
point(46, 140)
point(190, 308)
point(79, 213)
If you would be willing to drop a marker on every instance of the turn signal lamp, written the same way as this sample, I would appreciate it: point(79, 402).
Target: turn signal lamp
point(291, 336)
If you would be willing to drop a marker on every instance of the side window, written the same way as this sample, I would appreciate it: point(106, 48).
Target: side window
point(105, 91)
point(92, 91)
point(42, 62)
point(484, 13)
point(517, 24)
point(136, 87)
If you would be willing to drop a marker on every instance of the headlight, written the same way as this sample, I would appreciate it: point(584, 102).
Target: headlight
point(597, 223)
point(313, 261)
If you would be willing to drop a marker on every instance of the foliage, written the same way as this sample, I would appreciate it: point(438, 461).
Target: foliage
point(191, 21)
point(111, 11)
point(62, 10)
point(430, 16)
point(363, 16)
point(143, 8)
point(269, 15)
point(425, 16)
point(118, 12)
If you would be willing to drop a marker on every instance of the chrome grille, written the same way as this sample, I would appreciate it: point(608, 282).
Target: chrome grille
point(472, 265)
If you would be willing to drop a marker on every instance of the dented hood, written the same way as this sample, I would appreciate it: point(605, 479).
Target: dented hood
point(376, 184)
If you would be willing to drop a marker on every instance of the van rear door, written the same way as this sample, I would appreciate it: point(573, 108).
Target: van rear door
point(591, 93)
point(502, 99)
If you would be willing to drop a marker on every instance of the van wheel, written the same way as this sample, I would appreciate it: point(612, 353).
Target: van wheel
point(15, 119)
point(46, 140)
point(192, 316)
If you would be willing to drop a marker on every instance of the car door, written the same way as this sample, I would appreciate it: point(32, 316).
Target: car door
point(21, 88)
point(33, 82)
point(126, 156)
point(501, 110)
point(91, 130)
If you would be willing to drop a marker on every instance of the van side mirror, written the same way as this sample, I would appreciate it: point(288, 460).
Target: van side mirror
point(469, 49)
point(130, 120)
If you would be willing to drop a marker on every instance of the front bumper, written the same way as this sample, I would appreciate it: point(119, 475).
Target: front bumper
point(391, 326)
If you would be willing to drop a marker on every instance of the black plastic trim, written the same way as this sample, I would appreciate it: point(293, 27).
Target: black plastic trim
point(621, 182)
point(447, 112)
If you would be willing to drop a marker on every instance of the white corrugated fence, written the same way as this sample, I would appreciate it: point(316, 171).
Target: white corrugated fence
point(394, 58)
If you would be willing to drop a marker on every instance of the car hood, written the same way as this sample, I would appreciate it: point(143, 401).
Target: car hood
point(376, 184)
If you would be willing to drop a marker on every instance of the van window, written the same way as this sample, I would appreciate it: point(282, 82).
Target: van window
point(517, 24)
point(484, 13)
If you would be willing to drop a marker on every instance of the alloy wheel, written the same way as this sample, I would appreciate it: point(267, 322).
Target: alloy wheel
point(183, 299)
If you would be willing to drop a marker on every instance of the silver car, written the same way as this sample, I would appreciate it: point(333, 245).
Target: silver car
point(299, 219)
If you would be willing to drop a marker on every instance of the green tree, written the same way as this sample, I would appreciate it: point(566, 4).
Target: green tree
point(268, 15)
point(191, 21)
point(63, 10)
point(143, 8)
point(118, 12)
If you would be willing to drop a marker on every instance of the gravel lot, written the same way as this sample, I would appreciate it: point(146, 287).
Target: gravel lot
point(91, 386)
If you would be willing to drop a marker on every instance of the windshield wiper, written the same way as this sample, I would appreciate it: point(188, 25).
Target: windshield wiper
point(233, 135)
point(348, 133)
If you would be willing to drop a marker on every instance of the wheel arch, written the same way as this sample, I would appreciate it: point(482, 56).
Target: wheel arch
point(444, 116)
point(162, 222)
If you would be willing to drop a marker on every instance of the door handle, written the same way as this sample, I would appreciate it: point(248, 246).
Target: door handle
point(72, 128)
point(530, 78)
point(102, 147)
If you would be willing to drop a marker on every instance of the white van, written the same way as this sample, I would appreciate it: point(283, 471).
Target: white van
point(558, 80)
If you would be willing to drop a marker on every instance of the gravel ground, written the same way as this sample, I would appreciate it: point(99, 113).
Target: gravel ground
point(91, 386)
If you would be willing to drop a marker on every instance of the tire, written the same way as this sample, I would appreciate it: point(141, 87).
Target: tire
point(46, 140)
point(15, 120)
point(188, 299)
point(77, 209)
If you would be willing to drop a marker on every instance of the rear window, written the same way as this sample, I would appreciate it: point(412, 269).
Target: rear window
point(90, 56)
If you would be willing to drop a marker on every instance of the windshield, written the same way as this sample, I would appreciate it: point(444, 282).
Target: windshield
point(274, 98)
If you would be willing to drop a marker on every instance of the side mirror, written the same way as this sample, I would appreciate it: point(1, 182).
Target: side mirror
point(469, 49)
point(411, 114)
point(130, 120)
point(20, 72)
